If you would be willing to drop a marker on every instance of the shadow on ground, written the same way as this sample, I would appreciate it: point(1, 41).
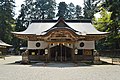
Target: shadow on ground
point(59, 65)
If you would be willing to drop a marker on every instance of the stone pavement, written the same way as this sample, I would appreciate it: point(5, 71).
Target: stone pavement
point(56, 71)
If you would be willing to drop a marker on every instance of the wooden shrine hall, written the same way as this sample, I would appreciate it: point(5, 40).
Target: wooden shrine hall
point(60, 40)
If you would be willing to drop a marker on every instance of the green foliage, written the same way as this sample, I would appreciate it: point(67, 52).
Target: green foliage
point(104, 24)
point(35, 10)
point(62, 10)
point(110, 22)
point(78, 12)
point(45, 9)
point(114, 7)
point(71, 11)
point(90, 8)
point(6, 19)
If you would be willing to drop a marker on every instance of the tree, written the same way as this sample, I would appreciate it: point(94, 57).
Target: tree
point(69, 11)
point(45, 9)
point(90, 8)
point(104, 24)
point(104, 21)
point(114, 7)
point(70, 14)
point(62, 10)
point(51, 9)
point(21, 21)
point(6, 19)
point(36, 10)
point(78, 12)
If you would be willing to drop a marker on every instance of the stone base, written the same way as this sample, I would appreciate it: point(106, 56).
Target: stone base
point(25, 62)
point(97, 62)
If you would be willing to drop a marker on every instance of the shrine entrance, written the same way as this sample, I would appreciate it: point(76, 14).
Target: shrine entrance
point(61, 43)
point(61, 53)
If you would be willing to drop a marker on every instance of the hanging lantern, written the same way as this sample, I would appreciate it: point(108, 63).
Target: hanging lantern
point(46, 51)
point(76, 51)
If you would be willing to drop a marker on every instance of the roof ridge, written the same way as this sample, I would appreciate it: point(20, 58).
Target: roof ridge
point(61, 24)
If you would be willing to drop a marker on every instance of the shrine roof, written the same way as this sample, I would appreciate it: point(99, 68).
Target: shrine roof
point(80, 27)
point(4, 44)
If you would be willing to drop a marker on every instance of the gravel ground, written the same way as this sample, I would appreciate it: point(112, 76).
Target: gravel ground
point(56, 71)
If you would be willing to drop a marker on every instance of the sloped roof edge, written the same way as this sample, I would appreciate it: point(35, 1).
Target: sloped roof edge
point(40, 28)
point(4, 44)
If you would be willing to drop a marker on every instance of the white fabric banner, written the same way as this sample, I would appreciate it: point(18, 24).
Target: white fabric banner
point(85, 45)
point(37, 45)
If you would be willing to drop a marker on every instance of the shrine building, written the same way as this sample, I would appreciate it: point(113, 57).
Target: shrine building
point(61, 40)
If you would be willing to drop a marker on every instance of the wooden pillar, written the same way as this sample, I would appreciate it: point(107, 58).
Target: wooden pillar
point(92, 55)
point(73, 53)
point(49, 55)
point(61, 56)
point(65, 55)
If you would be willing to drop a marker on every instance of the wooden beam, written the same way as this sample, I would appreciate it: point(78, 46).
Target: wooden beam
point(60, 42)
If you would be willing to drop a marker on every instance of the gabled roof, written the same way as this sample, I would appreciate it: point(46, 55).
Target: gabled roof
point(4, 44)
point(61, 24)
point(77, 26)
